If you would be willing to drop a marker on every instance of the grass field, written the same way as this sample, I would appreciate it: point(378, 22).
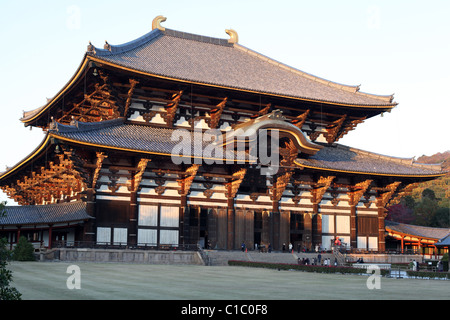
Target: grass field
point(112, 281)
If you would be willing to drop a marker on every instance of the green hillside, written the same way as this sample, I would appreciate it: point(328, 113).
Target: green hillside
point(428, 204)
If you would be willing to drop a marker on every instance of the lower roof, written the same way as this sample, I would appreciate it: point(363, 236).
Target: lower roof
point(417, 231)
point(119, 135)
point(45, 214)
point(341, 158)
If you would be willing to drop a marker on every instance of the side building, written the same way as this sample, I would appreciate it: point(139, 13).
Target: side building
point(176, 139)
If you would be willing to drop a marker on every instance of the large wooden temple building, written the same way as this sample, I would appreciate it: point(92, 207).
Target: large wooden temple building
point(107, 172)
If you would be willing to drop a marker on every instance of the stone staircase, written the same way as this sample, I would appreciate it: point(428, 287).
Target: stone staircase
point(221, 257)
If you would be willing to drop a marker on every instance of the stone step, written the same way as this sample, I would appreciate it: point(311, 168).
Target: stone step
point(219, 257)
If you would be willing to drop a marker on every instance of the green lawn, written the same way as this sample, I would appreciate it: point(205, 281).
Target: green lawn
point(111, 281)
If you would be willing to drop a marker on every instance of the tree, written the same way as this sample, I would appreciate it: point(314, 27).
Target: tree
point(400, 213)
point(6, 291)
point(428, 193)
point(24, 250)
point(441, 218)
point(425, 211)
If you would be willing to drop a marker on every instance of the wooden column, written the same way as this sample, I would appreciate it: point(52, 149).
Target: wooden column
point(183, 206)
point(184, 183)
point(232, 188)
point(18, 233)
point(307, 234)
point(318, 190)
point(383, 198)
point(134, 187)
point(90, 225)
point(355, 193)
point(133, 216)
point(230, 224)
point(381, 228)
point(50, 241)
point(276, 245)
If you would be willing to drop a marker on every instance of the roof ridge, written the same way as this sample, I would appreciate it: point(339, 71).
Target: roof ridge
point(77, 126)
point(197, 37)
point(109, 49)
point(415, 225)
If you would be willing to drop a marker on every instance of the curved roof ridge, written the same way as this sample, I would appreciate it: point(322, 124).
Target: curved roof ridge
point(84, 126)
point(109, 49)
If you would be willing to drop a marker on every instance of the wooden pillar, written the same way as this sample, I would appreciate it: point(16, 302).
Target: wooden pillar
point(402, 243)
point(230, 224)
point(307, 235)
point(315, 233)
point(276, 245)
point(265, 233)
point(183, 206)
point(133, 220)
point(383, 199)
point(50, 241)
point(232, 188)
point(353, 228)
point(18, 233)
point(355, 193)
point(90, 225)
point(381, 229)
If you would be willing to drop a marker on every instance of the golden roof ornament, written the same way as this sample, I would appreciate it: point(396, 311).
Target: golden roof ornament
point(233, 36)
point(90, 48)
point(107, 46)
point(156, 23)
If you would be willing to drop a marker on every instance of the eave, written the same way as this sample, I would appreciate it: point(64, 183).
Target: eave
point(75, 78)
point(32, 156)
point(429, 176)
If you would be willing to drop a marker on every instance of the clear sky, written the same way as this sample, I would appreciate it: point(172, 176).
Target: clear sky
point(387, 47)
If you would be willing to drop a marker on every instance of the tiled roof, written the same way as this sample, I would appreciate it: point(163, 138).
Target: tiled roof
point(141, 138)
point(44, 214)
point(445, 241)
point(342, 158)
point(420, 231)
point(189, 57)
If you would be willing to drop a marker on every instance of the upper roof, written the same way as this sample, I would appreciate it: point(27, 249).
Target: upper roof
point(220, 62)
point(45, 214)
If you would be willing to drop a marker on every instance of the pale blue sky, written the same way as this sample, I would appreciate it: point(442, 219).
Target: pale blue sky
point(399, 47)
